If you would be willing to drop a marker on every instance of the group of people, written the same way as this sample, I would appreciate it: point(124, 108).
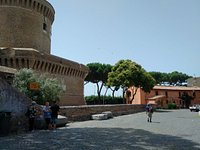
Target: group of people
point(49, 113)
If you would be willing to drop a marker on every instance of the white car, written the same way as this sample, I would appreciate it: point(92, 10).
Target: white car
point(195, 108)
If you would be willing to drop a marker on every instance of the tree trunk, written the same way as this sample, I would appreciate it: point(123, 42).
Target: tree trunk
point(99, 88)
point(134, 93)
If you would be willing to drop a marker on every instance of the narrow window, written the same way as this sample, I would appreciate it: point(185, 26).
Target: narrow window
point(25, 3)
point(11, 62)
point(17, 63)
point(38, 64)
point(166, 94)
point(194, 94)
point(6, 61)
point(156, 92)
point(30, 3)
point(34, 3)
point(44, 26)
point(27, 63)
point(23, 62)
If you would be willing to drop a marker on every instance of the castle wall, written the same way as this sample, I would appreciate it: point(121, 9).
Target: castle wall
point(15, 103)
point(71, 74)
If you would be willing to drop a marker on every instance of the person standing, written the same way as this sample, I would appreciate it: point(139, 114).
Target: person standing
point(54, 114)
point(47, 115)
point(31, 114)
point(149, 112)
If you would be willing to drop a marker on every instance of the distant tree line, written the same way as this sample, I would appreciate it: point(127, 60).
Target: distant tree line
point(173, 78)
point(126, 73)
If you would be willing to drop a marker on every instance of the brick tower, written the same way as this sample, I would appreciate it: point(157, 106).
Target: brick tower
point(25, 42)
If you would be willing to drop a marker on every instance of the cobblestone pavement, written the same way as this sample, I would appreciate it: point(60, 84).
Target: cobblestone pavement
point(170, 130)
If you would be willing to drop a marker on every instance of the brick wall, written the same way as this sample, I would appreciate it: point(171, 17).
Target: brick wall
point(80, 113)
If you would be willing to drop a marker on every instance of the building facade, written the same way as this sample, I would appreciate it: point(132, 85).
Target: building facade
point(25, 42)
point(164, 95)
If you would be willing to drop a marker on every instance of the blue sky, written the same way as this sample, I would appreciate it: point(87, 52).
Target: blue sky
point(160, 35)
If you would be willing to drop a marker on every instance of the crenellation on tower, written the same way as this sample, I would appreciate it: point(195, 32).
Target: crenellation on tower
point(41, 6)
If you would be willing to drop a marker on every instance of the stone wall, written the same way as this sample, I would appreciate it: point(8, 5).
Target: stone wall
point(14, 103)
point(80, 113)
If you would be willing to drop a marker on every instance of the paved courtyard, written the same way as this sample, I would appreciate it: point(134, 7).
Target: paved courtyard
point(170, 130)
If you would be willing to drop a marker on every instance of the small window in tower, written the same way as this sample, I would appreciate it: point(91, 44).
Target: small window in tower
point(44, 26)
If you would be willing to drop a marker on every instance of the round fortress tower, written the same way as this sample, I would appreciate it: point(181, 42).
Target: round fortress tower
point(26, 24)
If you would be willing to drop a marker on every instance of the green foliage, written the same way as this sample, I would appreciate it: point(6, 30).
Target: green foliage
point(172, 77)
point(127, 73)
point(186, 98)
point(171, 106)
point(94, 100)
point(98, 74)
point(50, 88)
point(178, 77)
point(159, 77)
point(22, 79)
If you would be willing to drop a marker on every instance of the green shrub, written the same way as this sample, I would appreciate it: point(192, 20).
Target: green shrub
point(50, 89)
point(172, 106)
point(94, 100)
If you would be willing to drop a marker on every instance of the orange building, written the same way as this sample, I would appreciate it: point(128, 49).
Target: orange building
point(163, 95)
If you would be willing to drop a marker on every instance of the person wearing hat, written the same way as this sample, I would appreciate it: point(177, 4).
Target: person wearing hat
point(31, 114)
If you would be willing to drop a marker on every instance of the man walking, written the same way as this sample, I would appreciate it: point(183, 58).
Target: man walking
point(149, 112)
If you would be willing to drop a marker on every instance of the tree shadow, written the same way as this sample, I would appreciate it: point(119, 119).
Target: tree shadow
point(96, 139)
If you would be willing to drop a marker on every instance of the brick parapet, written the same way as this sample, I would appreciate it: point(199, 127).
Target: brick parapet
point(84, 112)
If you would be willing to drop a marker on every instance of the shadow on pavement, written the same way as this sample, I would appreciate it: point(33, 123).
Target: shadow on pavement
point(163, 110)
point(95, 139)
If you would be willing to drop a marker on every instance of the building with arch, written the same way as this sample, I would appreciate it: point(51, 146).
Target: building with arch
point(25, 42)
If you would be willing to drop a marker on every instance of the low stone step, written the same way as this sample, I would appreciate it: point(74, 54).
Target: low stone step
point(99, 116)
point(60, 122)
point(108, 113)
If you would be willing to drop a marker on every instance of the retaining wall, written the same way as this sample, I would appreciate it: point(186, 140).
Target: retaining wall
point(81, 113)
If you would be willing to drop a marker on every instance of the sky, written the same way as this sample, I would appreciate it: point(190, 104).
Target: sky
point(160, 35)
